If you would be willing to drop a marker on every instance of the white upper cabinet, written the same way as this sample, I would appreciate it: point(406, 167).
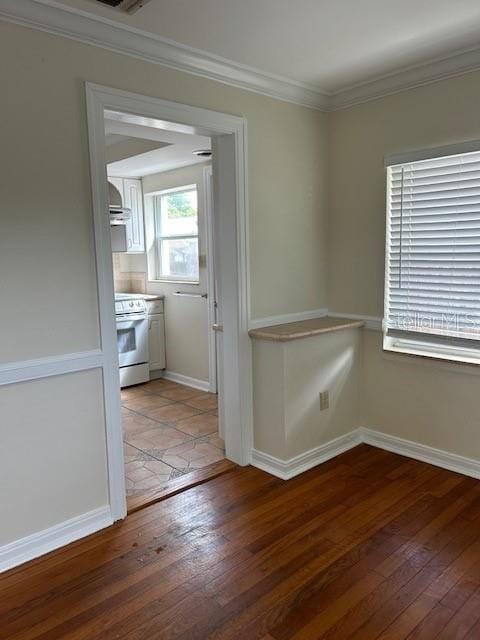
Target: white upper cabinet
point(132, 196)
point(133, 199)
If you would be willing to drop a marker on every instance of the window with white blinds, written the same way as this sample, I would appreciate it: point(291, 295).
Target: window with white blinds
point(432, 297)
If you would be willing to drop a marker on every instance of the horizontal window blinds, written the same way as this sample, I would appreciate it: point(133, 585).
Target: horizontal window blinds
point(433, 249)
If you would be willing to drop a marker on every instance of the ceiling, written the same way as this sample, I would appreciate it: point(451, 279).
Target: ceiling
point(331, 45)
point(136, 147)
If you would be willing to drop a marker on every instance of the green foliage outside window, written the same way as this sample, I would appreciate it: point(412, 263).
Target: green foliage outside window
point(179, 206)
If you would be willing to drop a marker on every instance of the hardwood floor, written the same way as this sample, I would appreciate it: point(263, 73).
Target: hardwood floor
point(368, 546)
point(182, 483)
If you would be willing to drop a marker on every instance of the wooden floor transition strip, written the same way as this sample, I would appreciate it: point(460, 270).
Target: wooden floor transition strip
point(183, 483)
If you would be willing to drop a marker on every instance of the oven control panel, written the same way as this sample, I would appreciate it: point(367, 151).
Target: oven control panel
point(123, 307)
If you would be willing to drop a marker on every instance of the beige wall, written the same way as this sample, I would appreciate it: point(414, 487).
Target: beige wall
point(52, 452)
point(408, 397)
point(432, 403)
point(268, 398)
point(47, 266)
point(329, 362)
point(288, 378)
point(437, 114)
point(186, 326)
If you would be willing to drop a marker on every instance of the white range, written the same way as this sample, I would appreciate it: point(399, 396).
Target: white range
point(132, 338)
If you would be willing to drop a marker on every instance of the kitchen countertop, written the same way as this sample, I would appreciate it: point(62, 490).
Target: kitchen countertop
point(144, 296)
point(152, 296)
point(304, 329)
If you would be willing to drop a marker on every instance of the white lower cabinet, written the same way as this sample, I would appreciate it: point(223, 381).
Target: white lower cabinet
point(156, 341)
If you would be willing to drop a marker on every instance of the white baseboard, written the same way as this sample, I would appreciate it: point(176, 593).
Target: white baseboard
point(270, 321)
point(286, 469)
point(202, 385)
point(37, 544)
point(422, 452)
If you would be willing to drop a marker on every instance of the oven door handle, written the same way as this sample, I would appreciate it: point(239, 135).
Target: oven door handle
point(132, 318)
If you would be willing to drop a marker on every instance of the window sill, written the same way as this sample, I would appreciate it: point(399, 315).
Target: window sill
point(161, 281)
point(432, 359)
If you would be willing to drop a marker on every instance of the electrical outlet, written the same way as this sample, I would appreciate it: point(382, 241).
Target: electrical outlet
point(323, 400)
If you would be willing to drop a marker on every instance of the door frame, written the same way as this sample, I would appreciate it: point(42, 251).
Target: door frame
point(234, 273)
point(211, 289)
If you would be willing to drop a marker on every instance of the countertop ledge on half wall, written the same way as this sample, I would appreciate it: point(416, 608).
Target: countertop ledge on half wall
point(304, 329)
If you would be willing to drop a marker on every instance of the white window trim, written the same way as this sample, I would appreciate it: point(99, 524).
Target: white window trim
point(159, 277)
point(431, 350)
point(417, 347)
point(469, 146)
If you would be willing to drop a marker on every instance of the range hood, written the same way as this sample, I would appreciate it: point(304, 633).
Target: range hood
point(119, 215)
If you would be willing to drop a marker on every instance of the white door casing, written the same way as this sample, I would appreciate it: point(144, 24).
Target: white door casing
point(230, 227)
point(211, 283)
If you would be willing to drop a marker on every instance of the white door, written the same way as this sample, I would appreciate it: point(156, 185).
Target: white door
point(214, 306)
point(231, 296)
point(211, 282)
point(133, 198)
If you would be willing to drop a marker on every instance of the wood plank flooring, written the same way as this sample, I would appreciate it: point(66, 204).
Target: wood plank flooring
point(182, 483)
point(368, 546)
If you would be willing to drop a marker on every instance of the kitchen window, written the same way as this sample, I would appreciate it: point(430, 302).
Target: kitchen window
point(176, 234)
point(432, 290)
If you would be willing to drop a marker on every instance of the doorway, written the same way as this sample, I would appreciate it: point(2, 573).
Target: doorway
point(164, 290)
point(229, 236)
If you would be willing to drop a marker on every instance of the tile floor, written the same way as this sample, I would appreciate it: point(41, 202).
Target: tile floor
point(168, 431)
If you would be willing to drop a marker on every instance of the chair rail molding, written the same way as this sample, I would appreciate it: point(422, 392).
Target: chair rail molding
point(371, 322)
point(375, 323)
point(269, 321)
point(25, 370)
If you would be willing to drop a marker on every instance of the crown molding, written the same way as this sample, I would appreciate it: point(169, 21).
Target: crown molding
point(58, 19)
point(52, 17)
point(416, 76)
